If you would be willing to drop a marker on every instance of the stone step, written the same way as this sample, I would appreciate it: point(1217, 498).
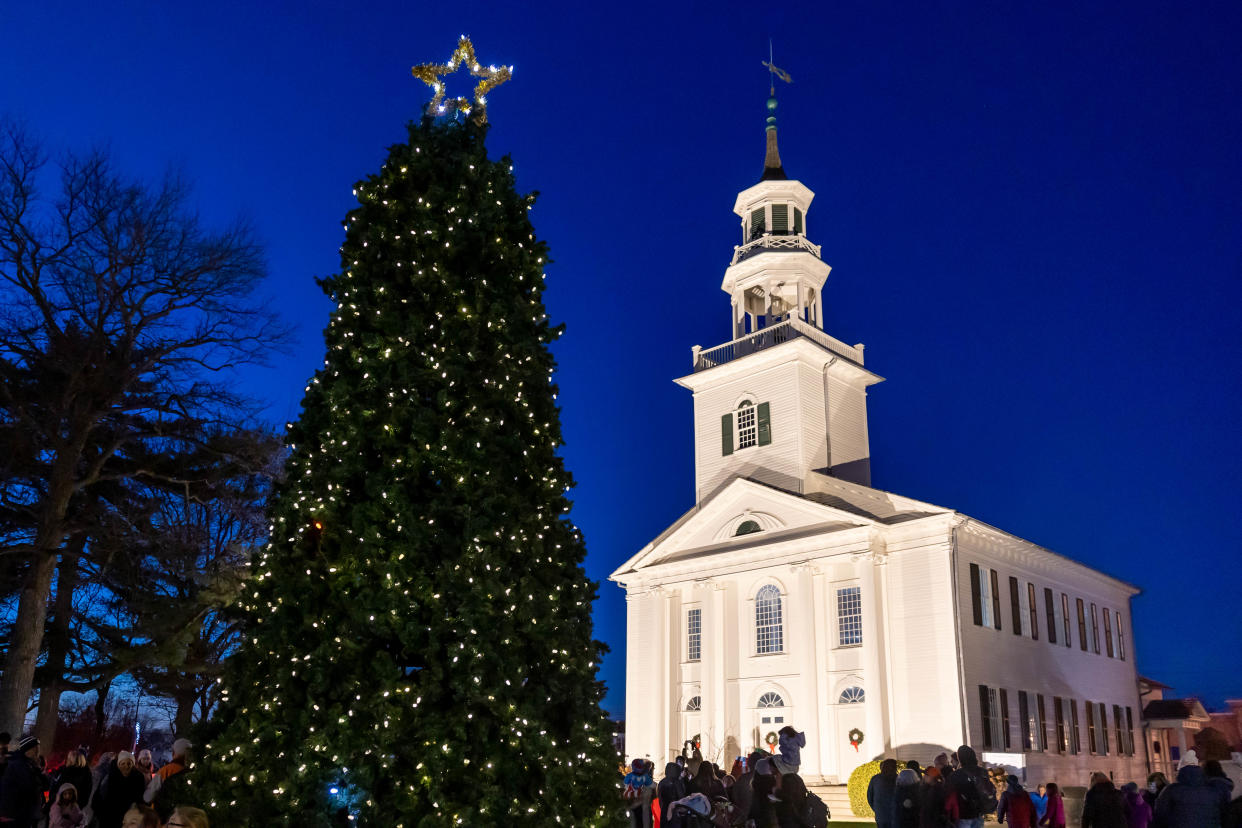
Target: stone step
point(837, 798)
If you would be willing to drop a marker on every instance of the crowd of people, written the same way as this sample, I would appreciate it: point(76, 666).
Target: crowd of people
point(765, 791)
point(956, 792)
point(120, 790)
point(761, 789)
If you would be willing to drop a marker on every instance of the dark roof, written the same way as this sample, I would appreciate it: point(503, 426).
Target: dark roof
point(1169, 709)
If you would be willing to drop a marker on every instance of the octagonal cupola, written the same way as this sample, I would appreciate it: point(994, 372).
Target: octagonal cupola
point(776, 273)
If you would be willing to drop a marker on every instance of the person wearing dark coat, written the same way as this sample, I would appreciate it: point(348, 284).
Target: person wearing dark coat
point(931, 812)
point(1103, 806)
point(21, 789)
point(882, 793)
point(121, 788)
point(76, 773)
point(1188, 802)
point(968, 782)
point(907, 799)
point(1016, 804)
point(1218, 781)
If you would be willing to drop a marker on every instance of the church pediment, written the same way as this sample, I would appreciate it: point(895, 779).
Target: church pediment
point(743, 514)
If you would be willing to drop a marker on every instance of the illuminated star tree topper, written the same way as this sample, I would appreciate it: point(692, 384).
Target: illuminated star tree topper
point(489, 77)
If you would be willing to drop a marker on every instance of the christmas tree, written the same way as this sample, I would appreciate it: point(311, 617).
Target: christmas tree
point(419, 648)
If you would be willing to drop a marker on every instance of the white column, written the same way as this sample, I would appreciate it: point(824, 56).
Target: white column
point(714, 672)
point(819, 309)
point(818, 679)
point(873, 651)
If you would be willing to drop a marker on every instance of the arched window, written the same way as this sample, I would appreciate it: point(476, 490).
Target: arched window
point(769, 632)
point(694, 705)
point(748, 527)
point(747, 424)
point(852, 695)
point(770, 699)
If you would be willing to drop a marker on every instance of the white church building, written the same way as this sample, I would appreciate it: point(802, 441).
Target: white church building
point(795, 593)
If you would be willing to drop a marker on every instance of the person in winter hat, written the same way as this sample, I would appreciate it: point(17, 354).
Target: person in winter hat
point(974, 792)
point(122, 787)
point(907, 799)
point(1188, 802)
point(168, 787)
point(638, 785)
point(1190, 757)
point(66, 813)
point(21, 790)
point(789, 746)
point(1016, 804)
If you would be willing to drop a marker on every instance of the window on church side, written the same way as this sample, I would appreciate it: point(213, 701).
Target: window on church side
point(694, 634)
point(852, 695)
point(1065, 618)
point(1025, 719)
point(990, 718)
point(1016, 609)
point(1093, 746)
point(1041, 721)
point(694, 705)
point(1121, 642)
point(1102, 724)
point(849, 616)
point(1129, 732)
point(747, 425)
point(1075, 744)
point(1108, 634)
point(1118, 726)
point(769, 631)
point(985, 596)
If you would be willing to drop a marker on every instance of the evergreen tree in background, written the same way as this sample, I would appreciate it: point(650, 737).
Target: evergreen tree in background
point(419, 646)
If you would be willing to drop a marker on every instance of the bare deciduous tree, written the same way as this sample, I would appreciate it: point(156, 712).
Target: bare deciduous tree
point(120, 318)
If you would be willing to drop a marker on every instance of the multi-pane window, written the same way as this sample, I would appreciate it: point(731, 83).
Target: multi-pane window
point(1095, 630)
point(1033, 609)
point(1108, 633)
point(1093, 737)
point(1058, 709)
point(1031, 711)
point(985, 596)
point(1082, 626)
point(769, 632)
point(747, 425)
point(1040, 723)
point(849, 616)
point(695, 704)
point(694, 634)
point(1050, 610)
point(769, 702)
point(852, 695)
point(1121, 641)
point(988, 717)
point(1065, 618)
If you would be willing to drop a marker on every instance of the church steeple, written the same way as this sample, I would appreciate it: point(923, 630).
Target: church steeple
point(772, 169)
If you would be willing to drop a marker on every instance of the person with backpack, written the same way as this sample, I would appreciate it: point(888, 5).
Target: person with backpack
point(907, 799)
point(1016, 803)
point(798, 807)
point(974, 793)
point(881, 791)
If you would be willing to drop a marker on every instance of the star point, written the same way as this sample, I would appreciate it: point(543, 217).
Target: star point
point(489, 78)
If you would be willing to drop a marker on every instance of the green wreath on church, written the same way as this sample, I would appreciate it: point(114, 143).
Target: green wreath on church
point(856, 738)
point(771, 739)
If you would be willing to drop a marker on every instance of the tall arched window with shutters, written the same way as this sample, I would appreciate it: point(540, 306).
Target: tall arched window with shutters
point(748, 425)
point(769, 630)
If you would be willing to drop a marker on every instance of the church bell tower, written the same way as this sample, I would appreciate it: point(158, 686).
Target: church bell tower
point(782, 402)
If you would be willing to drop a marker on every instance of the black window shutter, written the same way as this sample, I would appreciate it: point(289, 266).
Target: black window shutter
point(797, 220)
point(985, 715)
point(780, 218)
point(726, 434)
point(1050, 609)
point(1004, 715)
point(765, 424)
point(996, 622)
point(1015, 605)
point(756, 223)
point(976, 596)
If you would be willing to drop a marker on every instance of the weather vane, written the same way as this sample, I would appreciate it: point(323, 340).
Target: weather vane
point(774, 71)
point(490, 77)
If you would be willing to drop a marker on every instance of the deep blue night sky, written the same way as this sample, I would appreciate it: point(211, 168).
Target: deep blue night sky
point(1032, 214)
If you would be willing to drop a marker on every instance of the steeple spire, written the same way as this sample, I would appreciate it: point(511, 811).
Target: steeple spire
point(772, 169)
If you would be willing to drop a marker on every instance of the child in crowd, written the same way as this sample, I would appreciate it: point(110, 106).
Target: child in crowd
point(790, 743)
